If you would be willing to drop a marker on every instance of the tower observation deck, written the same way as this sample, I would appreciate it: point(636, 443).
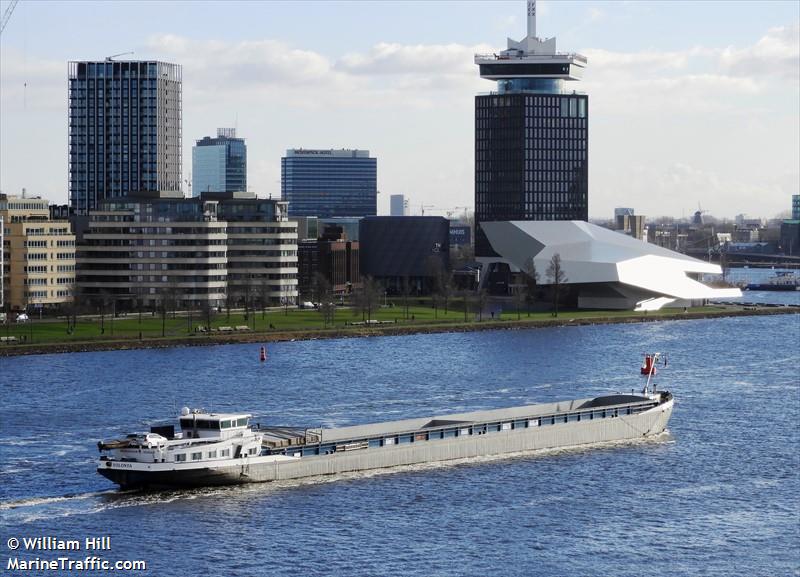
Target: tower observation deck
point(532, 64)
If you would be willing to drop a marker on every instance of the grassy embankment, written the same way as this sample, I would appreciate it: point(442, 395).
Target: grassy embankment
point(53, 335)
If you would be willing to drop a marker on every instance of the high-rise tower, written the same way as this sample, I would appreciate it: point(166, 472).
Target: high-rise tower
point(219, 164)
point(531, 135)
point(124, 130)
point(329, 183)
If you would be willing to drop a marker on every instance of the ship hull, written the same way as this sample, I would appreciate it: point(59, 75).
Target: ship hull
point(268, 468)
point(772, 287)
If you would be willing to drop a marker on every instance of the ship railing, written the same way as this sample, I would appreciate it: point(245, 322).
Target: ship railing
point(527, 55)
point(544, 92)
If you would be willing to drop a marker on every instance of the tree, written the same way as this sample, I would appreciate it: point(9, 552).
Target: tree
point(138, 302)
point(231, 294)
point(323, 293)
point(442, 280)
point(106, 301)
point(163, 306)
point(519, 299)
point(531, 279)
point(367, 298)
point(75, 307)
point(555, 274)
point(466, 293)
point(208, 313)
point(481, 298)
point(171, 294)
point(263, 289)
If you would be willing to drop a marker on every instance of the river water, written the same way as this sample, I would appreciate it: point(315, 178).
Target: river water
point(718, 495)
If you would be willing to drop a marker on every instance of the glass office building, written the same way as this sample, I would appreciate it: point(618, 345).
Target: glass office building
point(219, 164)
point(124, 130)
point(531, 136)
point(329, 183)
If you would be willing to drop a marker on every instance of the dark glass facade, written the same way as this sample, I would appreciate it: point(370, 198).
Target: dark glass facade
point(531, 159)
point(124, 130)
point(400, 250)
point(330, 183)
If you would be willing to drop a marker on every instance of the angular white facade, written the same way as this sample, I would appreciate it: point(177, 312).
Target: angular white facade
point(616, 271)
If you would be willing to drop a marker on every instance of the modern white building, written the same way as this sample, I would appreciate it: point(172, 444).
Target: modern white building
point(612, 271)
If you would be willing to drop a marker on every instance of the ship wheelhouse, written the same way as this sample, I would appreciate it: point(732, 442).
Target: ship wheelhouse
point(201, 425)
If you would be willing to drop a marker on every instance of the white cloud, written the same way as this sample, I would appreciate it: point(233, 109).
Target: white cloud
point(775, 54)
point(385, 58)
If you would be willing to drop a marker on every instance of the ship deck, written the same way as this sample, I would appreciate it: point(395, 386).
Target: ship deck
point(286, 437)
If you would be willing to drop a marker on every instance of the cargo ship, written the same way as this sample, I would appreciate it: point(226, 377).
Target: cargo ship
point(227, 448)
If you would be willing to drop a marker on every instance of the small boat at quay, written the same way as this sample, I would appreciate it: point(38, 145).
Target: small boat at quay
point(780, 281)
point(227, 448)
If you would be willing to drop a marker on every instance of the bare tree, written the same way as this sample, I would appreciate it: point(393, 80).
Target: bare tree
point(519, 299)
point(76, 306)
point(208, 313)
point(405, 291)
point(231, 294)
point(323, 291)
point(480, 300)
point(263, 293)
point(555, 274)
point(163, 307)
point(367, 298)
point(531, 279)
point(466, 294)
point(171, 294)
point(442, 280)
point(138, 302)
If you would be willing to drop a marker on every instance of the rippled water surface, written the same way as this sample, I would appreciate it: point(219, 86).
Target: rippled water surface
point(717, 495)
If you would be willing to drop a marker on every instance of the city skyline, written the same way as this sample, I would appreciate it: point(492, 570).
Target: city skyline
point(706, 116)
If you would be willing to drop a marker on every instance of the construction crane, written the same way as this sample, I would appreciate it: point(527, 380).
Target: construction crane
point(7, 14)
point(452, 211)
point(111, 58)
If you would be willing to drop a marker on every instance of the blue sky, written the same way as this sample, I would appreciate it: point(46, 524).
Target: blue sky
point(690, 102)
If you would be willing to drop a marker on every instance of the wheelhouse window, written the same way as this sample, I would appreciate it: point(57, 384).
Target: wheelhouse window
point(212, 454)
point(225, 453)
point(180, 458)
point(200, 424)
point(197, 456)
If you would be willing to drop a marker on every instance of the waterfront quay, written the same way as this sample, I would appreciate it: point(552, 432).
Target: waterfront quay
point(180, 330)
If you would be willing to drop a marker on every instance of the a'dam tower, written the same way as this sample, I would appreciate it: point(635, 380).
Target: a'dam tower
point(531, 135)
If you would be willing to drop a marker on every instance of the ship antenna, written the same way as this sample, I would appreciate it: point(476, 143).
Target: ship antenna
point(651, 372)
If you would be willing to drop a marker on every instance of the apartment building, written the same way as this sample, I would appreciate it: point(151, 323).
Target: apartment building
point(201, 251)
point(38, 255)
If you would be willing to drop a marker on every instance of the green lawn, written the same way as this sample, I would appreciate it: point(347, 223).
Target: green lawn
point(182, 325)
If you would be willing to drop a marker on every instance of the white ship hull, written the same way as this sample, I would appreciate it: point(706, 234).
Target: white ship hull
point(248, 469)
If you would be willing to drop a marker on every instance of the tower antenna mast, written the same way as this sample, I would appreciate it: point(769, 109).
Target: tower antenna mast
point(531, 18)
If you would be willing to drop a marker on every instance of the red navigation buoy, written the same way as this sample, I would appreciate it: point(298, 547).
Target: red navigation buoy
point(263, 355)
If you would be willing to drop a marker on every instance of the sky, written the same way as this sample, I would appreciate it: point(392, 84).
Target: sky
point(691, 104)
